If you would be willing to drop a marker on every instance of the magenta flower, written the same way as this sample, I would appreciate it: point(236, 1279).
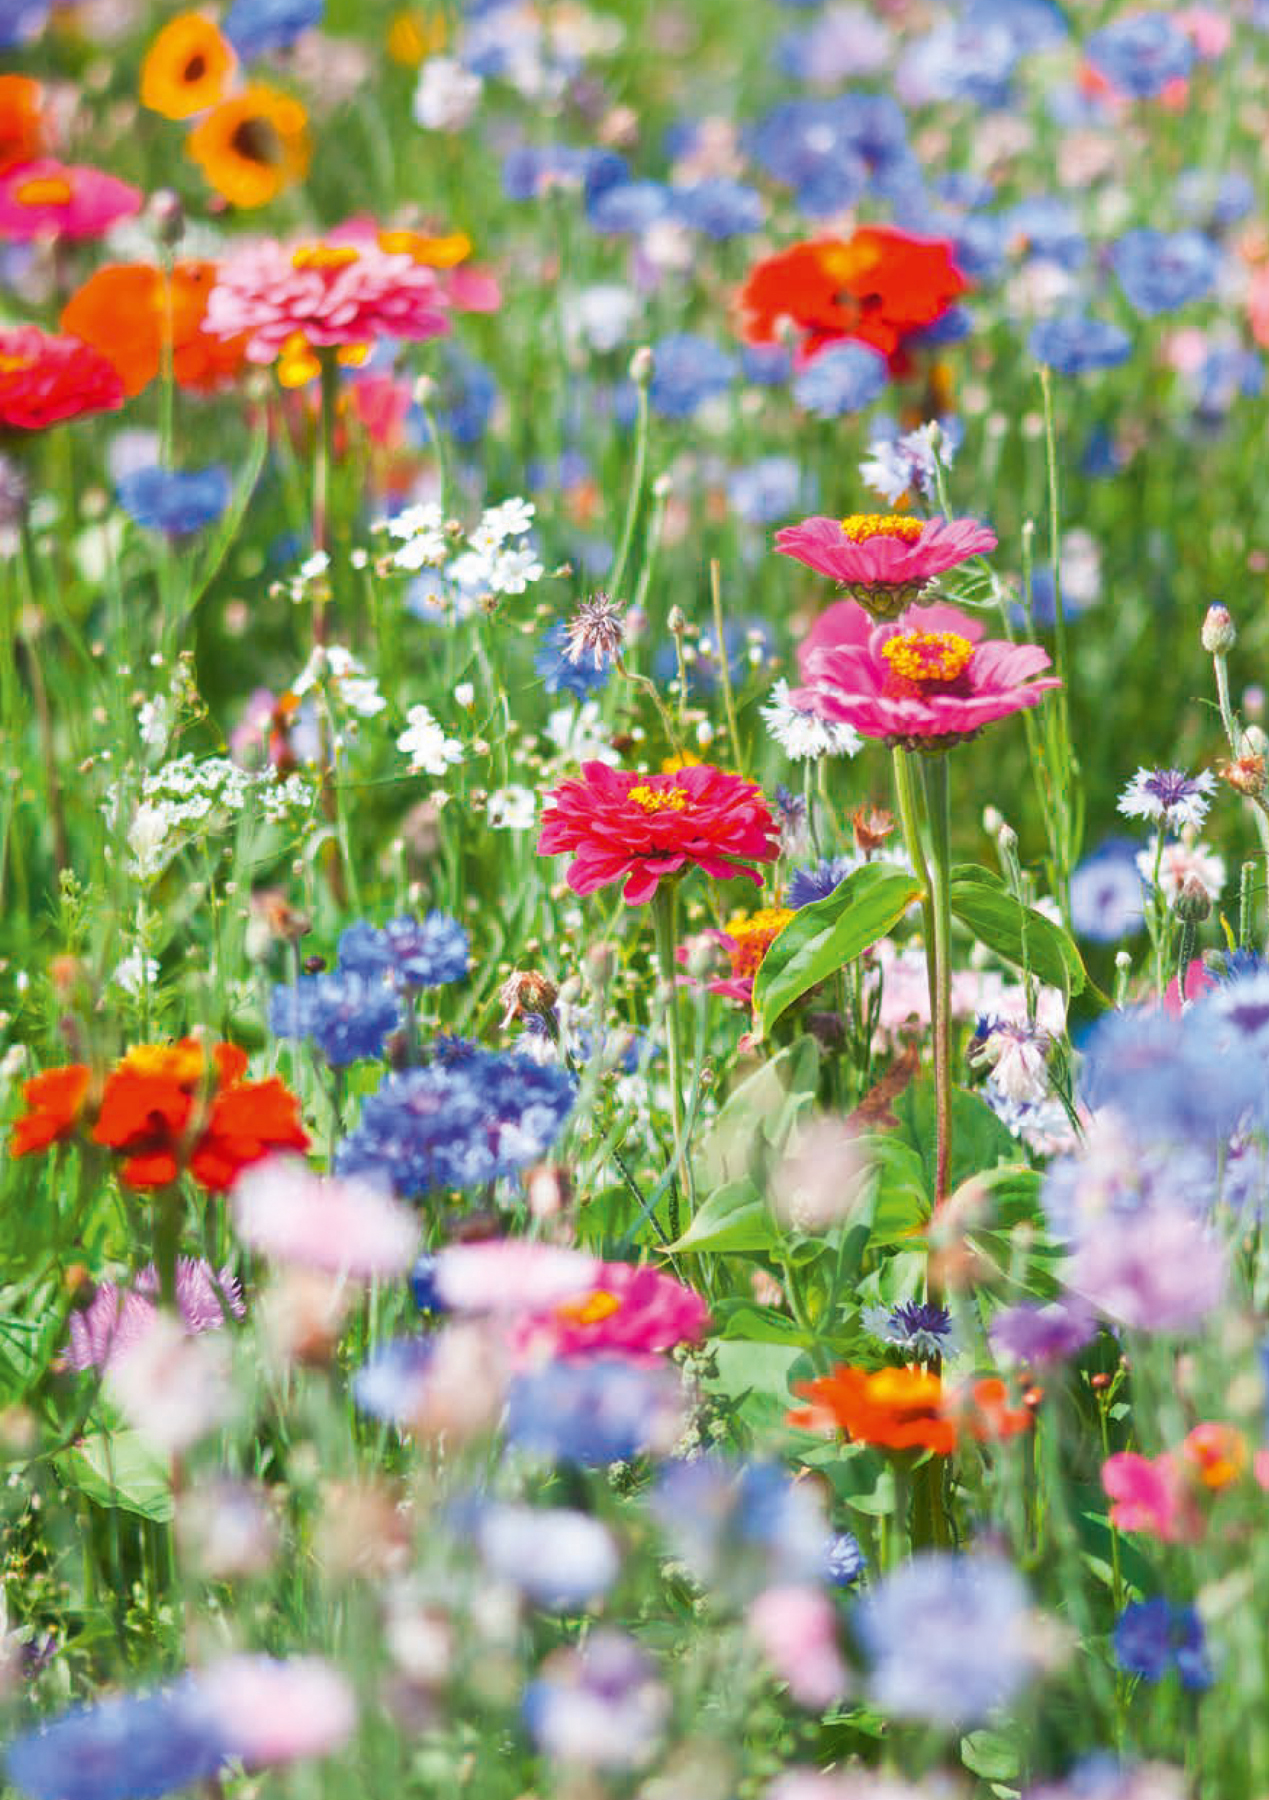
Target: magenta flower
point(53, 199)
point(847, 625)
point(113, 1323)
point(629, 1310)
point(1150, 1496)
point(924, 689)
point(885, 561)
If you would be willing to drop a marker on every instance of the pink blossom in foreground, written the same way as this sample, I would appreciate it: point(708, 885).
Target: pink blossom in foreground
point(513, 1275)
point(915, 687)
point(54, 199)
point(1151, 1496)
point(629, 1309)
point(846, 624)
point(280, 1712)
point(284, 1211)
point(796, 1628)
point(884, 561)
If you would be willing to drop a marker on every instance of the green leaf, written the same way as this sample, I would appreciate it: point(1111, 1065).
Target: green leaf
point(740, 1318)
point(979, 1140)
point(762, 1109)
point(991, 1754)
point(736, 1217)
point(1017, 933)
point(121, 1470)
point(826, 935)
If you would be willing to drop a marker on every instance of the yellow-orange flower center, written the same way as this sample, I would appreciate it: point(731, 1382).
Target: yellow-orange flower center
point(655, 800)
point(181, 1063)
point(859, 527)
point(324, 256)
point(435, 252)
point(927, 656)
point(10, 365)
point(847, 262)
point(43, 190)
point(589, 1309)
point(753, 936)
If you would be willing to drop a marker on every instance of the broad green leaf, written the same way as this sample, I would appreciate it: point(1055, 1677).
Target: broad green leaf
point(765, 1106)
point(979, 1140)
point(992, 1755)
point(741, 1318)
point(119, 1470)
point(830, 933)
point(759, 1377)
point(735, 1217)
point(1017, 933)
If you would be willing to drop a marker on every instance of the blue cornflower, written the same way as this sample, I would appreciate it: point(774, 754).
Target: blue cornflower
point(469, 395)
point(603, 1410)
point(1170, 797)
point(897, 464)
point(21, 20)
point(1177, 1078)
point(1140, 54)
point(719, 209)
point(559, 674)
point(687, 371)
point(628, 208)
point(1077, 344)
point(919, 1328)
point(767, 491)
point(845, 1559)
point(129, 1747)
point(457, 1125)
point(531, 169)
point(1154, 1636)
point(1228, 373)
point(766, 365)
point(413, 953)
point(810, 146)
point(254, 26)
point(1032, 24)
point(747, 641)
point(746, 1524)
point(1213, 197)
point(1047, 228)
point(819, 880)
point(1161, 270)
point(842, 379)
point(346, 1016)
point(965, 59)
point(424, 1288)
point(175, 501)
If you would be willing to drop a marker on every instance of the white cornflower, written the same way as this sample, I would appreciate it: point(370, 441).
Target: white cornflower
point(447, 95)
point(512, 809)
point(150, 839)
point(1181, 861)
point(425, 743)
point(580, 735)
point(1168, 796)
point(896, 466)
point(801, 734)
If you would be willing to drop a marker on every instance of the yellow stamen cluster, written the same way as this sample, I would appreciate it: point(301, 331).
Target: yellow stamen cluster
point(656, 800)
point(324, 256)
point(43, 190)
point(589, 1309)
point(167, 1062)
point(923, 656)
point(859, 527)
point(435, 252)
point(753, 936)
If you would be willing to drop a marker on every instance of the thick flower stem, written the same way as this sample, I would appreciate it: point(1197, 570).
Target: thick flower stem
point(908, 807)
point(664, 914)
point(936, 794)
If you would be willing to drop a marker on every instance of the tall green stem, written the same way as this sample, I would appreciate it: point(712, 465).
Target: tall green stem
point(936, 794)
point(616, 580)
point(664, 913)
point(909, 819)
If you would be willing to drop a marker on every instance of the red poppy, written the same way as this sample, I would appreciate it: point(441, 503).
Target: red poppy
point(44, 379)
point(879, 287)
point(54, 1101)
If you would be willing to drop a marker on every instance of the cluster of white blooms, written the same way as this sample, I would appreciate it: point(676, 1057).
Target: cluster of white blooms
point(188, 796)
point(459, 574)
point(580, 735)
point(344, 677)
point(425, 742)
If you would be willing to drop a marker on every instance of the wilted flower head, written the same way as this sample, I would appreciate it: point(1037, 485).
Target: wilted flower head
point(597, 629)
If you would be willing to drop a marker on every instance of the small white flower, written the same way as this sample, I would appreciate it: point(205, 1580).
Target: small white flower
point(447, 95)
point(465, 695)
point(512, 809)
point(1168, 796)
point(580, 735)
point(425, 743)
point(316, 565)
point(800, 734)
point(511, 518)
point(1181, 861)
point(132, 974)
point(154, 721)
point(150, 839)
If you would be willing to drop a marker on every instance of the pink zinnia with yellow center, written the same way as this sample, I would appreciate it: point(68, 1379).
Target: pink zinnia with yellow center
point(635, 1311)
point(924, 688)
point(885, 561)
point(641, 828)
point(55, 199)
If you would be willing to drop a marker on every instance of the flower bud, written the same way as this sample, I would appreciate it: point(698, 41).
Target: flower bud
point(1193, 904)
point(642, 365)
point(677, 621)
point(525, 993)
point(167, 215)
point(1219, 633)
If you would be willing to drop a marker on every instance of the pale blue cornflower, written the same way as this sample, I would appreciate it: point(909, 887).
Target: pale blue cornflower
point(1170, 797)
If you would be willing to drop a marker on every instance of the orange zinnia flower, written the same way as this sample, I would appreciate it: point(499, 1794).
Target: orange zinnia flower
point(253, 146)
point(899, 1409)
point(21, 121)
point(186, 68)
point(54, 1101)
point(122, 312)
point(878, 286)
point(1217, 1453)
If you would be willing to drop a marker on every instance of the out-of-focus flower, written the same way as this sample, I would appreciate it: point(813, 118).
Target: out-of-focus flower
point(1106, 893)
point(898, 1409)
point(600, 1707)
point(274, 1712)
point(23, 127)
point(884, 563)
point(125, 1745)
point(1077, 345)
point(505, 1276)
point(559, 1558)
point(745, 1526)
point(54, 1105)
point(620, 825)
point(50, 199)
point(174, 1388)
point(409, 953)
point(252, 146)
point(842, 378)
point(1181, 862)
point(285, 1212)
point(1160, 270)
point(796, 1629)
point(45, 380)
point(1159, 1269)
point(1140, 53)
point(1153, 1637)
point(628, 1310)
point(601, 1410)
point(187, 68)
point(453, 1383)
point(802, 734)
point(1216, 1452)
point(1150, 1495)
point(177, 502)
point(226, 1530)
point(126, 311)
point(1103, 1777)
point(256, 26)
point(1029, 1333)
point(447, 95)
point(817, 1182)
point(112, 1323)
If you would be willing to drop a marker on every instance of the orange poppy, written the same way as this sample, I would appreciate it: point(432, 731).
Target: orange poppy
point(121, 311)
point(1217, 1453)
point(253, 146)
point(22, 132)
point(899, 1409)
point(186, 68)
point(54, 1101)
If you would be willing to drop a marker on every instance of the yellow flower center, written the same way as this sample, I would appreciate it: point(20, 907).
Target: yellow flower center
point(847, 262)
point(927, 656)
point(435, 252)
point(859, 527)
point(165, 1062)
point(670, 765)
point(656, 800)
point(589, 1309)
point(297, 363)
point(10, 365)
point(43, 190)
point(324, 256)
point(753, 936)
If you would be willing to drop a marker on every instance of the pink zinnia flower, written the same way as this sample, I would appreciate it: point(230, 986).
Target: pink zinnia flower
point(275, 1712)
point(914, 687)
point(644, 827)
point(627, 1309)
point(885, 561)
point(290, 1215)
point(113, 1323)
point(847, 625)
point(289, 298)
point(45, 380)
point(1149, 1496)
point(55, 199)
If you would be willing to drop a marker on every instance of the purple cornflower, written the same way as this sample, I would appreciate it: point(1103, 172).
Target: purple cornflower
point(819, 881)
point(412, 953)
point(919, 1328)
point(113, 1322)
point(1168, 796)
point(1032, 1334)
point(1159, 1270)
point(1152, 1637)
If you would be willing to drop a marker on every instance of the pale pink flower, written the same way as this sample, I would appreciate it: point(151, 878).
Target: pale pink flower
point(504, 1275)
point(48, 199)
point(635, 1310)
point(796, 1628)
point(113, 1322)
point(1180, 862)
point(172, 1388)
point(279, 1712)
point(884, 561)
point(1210, 32)
point(291, 1215)
point(1150, 1496)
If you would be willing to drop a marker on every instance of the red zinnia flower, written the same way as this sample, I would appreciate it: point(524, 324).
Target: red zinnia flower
point(878, 286)
point(643, 827)
point(54, 1101)
point(44, 379)
point(55, 199)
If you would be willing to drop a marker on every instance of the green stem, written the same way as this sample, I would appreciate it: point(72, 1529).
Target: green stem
point(936, 793)
point(909, 819)
point(724, 672)
point(635, 497)
point(664, 914)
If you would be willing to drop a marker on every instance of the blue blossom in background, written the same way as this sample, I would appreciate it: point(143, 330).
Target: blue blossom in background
point(687, 371)
point(413, 953)
point(844, 42)
point(845, 1559)
point(175, 501)
point(1076, 345)
point(392, 1383)
point(559, 674)
point(531, 170)
point(842, 379)
point(628, 207)
point(1161, 270)
point(22, 20)
point(970, 58)
point(809, 146)
point(807, 885)
point(719, 209)
point(766, 365)
point(899, 464)
point(1047, 228)
point(747, 1524)
point(605, 1409)
point(1141, 53)
point(1153, 1637)
point(1032, 24)
point(1214, 197)
point(766, 492)
point(344, 1015)
point(254, 26)
point(128, 1747)
point(1029, 1333)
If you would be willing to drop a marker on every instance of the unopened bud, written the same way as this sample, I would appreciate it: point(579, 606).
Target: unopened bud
point(677, 621)
point(1193, 904)
point(1219, 633)
point(168, 216)
point(1007, 838)
point(642, 366)
point(992, 820)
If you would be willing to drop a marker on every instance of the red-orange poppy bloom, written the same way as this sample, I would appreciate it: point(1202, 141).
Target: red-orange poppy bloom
point(55, 1101)
point(898, 1409)
point(123, 312)
point(878, 286)
point(22, 126)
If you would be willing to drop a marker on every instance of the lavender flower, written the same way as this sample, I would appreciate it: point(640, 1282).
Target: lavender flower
point(112, 1323)
point(1034, 1335)
point(1168, 796)
point(919, 1328)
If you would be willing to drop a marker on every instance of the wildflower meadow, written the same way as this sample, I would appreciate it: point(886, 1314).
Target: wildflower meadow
point(634, 929)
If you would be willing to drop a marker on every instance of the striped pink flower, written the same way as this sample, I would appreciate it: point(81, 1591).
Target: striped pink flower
point(885, 561)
